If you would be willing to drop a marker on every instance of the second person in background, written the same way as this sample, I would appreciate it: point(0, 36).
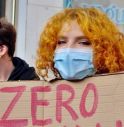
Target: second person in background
point(12, 68)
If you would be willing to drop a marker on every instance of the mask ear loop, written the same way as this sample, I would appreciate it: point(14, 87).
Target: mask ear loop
point(56, 73)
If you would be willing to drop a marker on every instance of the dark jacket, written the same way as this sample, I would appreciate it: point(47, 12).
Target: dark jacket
point(22, 71)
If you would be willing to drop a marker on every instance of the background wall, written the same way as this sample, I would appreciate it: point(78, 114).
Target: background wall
point(33, 15)
point(113, 8)
point(2, 8)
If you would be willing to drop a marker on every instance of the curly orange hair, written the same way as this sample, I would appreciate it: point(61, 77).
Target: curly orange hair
point(106, 40)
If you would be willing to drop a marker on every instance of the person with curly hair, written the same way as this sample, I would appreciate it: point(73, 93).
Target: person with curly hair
point(80, 42)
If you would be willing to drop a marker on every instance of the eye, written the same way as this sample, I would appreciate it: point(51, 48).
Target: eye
point(84, 42)
point(60, 42)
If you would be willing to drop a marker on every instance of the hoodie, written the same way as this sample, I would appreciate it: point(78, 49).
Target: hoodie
point(22, 71)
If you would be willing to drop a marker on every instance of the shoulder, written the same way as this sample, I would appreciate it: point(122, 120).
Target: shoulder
point(22, 71)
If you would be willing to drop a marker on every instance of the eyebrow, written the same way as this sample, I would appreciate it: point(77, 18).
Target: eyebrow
point(81, 37)
point(77, 38)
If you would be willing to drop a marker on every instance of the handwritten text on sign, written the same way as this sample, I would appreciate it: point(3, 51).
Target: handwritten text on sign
point(64, 104)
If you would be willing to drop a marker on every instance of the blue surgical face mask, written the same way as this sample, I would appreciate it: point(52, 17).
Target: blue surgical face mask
point(74, 64)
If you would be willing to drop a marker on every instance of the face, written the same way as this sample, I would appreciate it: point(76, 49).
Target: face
point(71, 36)
point(75, 62)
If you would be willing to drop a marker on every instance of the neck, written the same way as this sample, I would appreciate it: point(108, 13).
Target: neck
point(6, 68)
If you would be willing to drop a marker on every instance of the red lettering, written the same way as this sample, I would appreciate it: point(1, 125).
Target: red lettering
point(14, 122)
point(35, 103)
point(60, 103)
point(98, 125)
point(83, 110)
point(118, 123)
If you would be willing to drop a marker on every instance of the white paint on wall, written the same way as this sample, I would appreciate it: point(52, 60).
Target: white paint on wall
point(21, 28)
point(31, 16)
point(48, 3)
point(38, 13)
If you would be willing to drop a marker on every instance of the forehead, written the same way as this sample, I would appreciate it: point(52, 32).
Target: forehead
point(71, 28)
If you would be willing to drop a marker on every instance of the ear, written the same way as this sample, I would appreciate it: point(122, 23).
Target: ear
point(3, 50)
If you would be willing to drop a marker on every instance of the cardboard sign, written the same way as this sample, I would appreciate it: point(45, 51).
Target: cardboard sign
point(93, 102)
